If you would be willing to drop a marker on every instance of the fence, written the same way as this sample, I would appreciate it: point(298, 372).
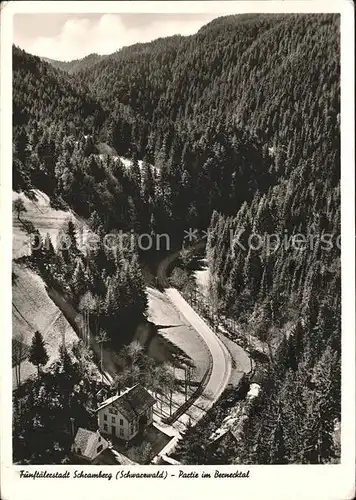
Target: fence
point(184, 407)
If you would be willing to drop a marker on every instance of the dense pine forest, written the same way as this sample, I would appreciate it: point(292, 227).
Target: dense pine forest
point(233, 131)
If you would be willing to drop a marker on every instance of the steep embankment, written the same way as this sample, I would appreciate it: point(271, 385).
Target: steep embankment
point(39, 212)
point(175, 334)
point(32, 308)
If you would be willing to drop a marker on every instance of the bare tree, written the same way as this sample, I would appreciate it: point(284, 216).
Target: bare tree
point(83, 355)
point(186, 377)
point(19, 353)
point(130, 355)
point(214, 302)
point(18, 207)
point(87, 306)
point(120, 380)
point(62, 328)
point(189, 371)
point(166, 382)
point(190, 290)
point(101, 339)
point(134, 350)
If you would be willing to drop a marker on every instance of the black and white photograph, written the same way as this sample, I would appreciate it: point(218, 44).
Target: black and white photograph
point(176, 239)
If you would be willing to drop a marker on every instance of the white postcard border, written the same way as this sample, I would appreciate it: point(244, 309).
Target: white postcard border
point(278, 482)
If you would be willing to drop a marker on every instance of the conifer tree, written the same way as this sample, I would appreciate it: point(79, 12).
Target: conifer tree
point(72, 238)
point(48, 248)
point(79, 279)
point(38, 354)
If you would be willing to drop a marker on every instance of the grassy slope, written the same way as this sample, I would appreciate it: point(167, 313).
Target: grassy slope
point(45, 218)
point(173, 328)
point(32, 309)
point(174, 334)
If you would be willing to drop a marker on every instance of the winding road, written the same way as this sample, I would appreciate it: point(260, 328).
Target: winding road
point(220, 371)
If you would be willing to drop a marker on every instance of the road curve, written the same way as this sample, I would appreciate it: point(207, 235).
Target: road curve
point(166, 262)
point(221, 360)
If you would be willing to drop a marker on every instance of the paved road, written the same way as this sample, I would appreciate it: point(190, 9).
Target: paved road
point(163, 266)
point(221, 359)
point(220, 371)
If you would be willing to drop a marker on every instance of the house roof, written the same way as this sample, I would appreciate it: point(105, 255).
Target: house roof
point(227, 438)
point(131, 403)
point(87, 441)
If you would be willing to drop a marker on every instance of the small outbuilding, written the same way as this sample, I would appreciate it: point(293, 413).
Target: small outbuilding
point(88, 445)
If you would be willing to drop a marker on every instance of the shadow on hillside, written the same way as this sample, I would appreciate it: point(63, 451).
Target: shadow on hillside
point(160, 348)
point(14, 278)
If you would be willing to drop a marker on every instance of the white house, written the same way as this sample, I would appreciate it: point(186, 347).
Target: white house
point(88, 445)
point(124, 415)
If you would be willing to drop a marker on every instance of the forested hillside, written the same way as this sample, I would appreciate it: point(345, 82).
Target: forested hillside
point(241, 122)
point(77, 64)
